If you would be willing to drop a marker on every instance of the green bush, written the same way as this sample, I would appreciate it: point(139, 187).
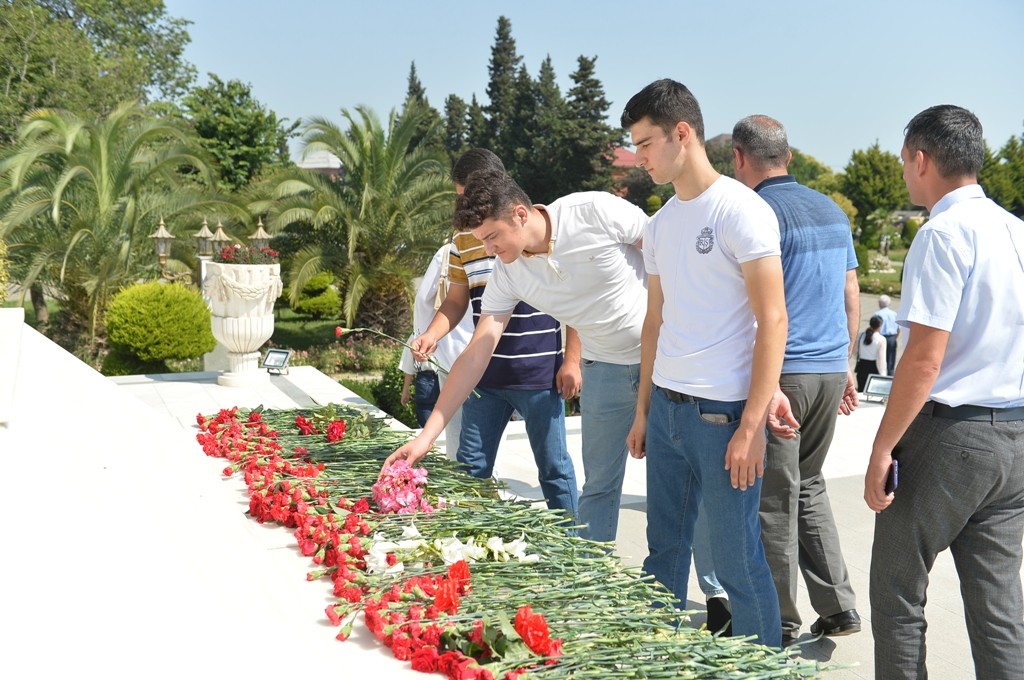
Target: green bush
point(326, 305)
point(910, 230)
point(121, 362)
point(863, 257)
point(387, 393)
point(318, 298)
point(158, 321)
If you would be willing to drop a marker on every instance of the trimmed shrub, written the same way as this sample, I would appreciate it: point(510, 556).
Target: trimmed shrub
point(158, 321)
point(910, 230)
point(326, 305)
point(318, 299)
point(121, 362)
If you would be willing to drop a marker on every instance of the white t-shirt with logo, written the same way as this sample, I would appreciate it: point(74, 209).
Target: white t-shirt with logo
point(593, 280)
point(705, 347)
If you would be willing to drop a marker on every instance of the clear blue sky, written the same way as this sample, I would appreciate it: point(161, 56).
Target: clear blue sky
point(839, 75)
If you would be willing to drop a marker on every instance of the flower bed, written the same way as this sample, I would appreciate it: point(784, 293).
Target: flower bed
point(449, 576)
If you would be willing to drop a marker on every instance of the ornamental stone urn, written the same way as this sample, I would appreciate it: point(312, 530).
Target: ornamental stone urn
point(242, 308)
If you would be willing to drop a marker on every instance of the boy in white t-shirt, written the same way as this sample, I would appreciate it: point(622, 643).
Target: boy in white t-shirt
point(577, 260)
point(713, 342)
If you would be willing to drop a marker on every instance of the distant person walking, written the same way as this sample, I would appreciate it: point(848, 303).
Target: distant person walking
point(955, 417)
point(872, 350)
point(890, 331)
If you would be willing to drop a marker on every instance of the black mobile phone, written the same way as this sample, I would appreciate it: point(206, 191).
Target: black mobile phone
point(893, 480)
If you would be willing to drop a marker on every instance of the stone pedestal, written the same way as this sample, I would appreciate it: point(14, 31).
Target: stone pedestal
point(242, 307)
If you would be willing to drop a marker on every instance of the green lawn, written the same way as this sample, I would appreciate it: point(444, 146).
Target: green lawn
point(301, 332)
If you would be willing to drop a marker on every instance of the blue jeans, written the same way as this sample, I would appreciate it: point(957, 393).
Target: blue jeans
point(426, 389)
point(484, 417)
point(703, 563)
point(685, 468)
point(608, 405)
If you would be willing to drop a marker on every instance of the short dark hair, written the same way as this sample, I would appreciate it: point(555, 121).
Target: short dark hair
point(489, 194)
point(475, 160)
point(763, 140)
point(665, 102)
point(952, 136)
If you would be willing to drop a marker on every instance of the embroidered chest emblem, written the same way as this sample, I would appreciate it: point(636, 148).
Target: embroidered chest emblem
point(706, 241)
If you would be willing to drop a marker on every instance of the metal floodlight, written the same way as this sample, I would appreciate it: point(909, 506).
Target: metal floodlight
point(276, 361)
point(204, 241)
point(162, 243)
point(260, 239)
point(877, 387)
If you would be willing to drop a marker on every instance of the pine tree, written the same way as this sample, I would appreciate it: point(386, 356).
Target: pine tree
point(477, 128)
point(501, 89)
point(428, 132)
point(456, 126)
point(588, 155)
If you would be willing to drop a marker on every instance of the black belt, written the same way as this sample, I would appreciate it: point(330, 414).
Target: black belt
point(976, 413)
point(679, 397)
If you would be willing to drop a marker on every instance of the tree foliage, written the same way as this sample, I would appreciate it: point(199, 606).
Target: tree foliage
point(86, 56)
point(1002, 175)
point(242, 135)
point(873, 181)
point(139, 48)
point(377, 225)
point(85, 196)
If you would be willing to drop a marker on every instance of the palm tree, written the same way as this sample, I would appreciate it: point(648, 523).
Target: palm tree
point(378, 224)
point(86, 196)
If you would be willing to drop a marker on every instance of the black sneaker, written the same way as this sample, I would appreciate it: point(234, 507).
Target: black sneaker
point(719, 617)
point(843, 623)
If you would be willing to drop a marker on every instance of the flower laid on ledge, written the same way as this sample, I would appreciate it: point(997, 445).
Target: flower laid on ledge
point(400, 489)
point(236, 253)
point(565, 609)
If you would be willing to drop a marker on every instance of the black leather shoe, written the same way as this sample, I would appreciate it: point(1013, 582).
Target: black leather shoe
point(790, 638)
point(843, 623)
point(719, 616)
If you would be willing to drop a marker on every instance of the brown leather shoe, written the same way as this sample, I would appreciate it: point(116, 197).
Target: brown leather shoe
point(843, 623)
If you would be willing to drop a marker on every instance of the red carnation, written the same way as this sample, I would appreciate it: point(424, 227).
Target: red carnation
point(533, 628)
point(336, 430)
point(339, 331)
point(425, 659)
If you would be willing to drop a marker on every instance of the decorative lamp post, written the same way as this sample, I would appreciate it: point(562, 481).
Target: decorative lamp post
point(162, 243)
point(204, 242)
point(260, 239)
point(220, 239)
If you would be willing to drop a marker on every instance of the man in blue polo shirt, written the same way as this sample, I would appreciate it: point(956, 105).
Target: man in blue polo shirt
point(819, 269)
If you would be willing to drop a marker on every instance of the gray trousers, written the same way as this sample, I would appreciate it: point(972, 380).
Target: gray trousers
point(961, 486)
point(797, 527)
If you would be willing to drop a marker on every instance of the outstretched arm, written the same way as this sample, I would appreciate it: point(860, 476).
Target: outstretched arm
point(461, 380)
point(447, 317)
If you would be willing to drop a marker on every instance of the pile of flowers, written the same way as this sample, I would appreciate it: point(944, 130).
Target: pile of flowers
point(473, 586)
point(236, 253)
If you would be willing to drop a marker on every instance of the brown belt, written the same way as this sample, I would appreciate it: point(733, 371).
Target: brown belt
point(974, 413)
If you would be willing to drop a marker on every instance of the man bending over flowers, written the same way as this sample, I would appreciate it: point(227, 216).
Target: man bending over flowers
point(579, 261)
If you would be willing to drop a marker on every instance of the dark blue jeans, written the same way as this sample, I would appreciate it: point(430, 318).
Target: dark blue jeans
point(426, 390)
point(484, 417)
